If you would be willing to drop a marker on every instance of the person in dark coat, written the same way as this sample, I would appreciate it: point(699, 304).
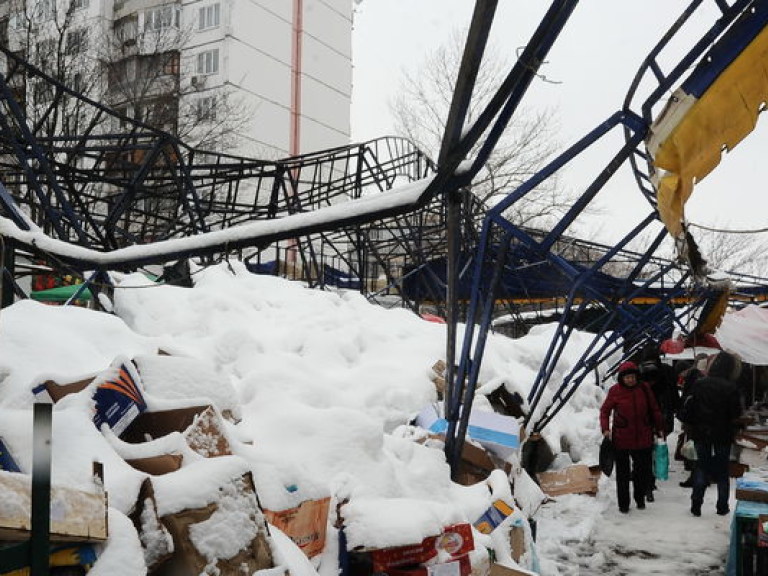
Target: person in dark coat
point(686, 379)
point(660, 379)
point(630, 416)
point(711, 414)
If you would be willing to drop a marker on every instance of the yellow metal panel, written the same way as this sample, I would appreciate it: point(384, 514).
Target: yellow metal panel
point(721, 118)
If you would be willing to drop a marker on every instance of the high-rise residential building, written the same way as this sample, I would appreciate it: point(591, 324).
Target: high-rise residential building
point(258, 78)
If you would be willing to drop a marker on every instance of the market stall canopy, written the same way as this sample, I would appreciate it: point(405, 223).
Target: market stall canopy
point(745, 333)
point(61, 294)
point(712, 111)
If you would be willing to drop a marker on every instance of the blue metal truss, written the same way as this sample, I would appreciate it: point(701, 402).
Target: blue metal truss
point(505, 250)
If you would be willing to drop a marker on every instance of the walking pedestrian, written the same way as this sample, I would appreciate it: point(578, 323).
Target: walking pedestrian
point(630, 416)
point(689, 373)
point(712, 420)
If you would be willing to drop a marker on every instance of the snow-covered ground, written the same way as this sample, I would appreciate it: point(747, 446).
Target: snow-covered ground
point(321, 388)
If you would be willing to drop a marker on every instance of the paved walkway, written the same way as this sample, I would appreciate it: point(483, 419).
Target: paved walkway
point(580, 535)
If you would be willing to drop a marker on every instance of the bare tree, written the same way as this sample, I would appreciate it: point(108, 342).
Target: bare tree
point(421, 108)
point(138, 71)
point(729, 250)
point(150, 80)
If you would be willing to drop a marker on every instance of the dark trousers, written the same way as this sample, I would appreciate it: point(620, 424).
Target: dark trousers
point(639, 473)
point(712, 462)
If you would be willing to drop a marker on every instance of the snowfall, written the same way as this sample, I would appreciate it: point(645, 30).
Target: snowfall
point(321, 390)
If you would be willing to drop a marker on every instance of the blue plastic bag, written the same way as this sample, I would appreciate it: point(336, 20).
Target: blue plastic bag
point(661, 460)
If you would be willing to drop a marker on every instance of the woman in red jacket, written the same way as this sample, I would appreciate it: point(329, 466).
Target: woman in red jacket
point(636, 416)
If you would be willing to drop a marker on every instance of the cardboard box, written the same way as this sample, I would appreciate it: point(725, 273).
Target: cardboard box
point(52, 391)
point(157, 465)
point(201, 426)
point(517, 540)
point(456, 540)
point(737, 469)
point(76, 516)
point(119, 399)
point(156, 540)
point(475, 465)
point(187, 559)
point(751, 441)
point(752, 490)
point(498, 433)
point(305, 524)
point(576, 479)
point(493, 516)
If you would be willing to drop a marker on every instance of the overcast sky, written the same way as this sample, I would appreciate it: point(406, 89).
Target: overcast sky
point(591, 67)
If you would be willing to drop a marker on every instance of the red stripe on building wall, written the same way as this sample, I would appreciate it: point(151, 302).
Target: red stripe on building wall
point(298, 31)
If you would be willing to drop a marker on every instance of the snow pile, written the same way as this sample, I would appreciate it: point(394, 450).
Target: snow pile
point(315, 390)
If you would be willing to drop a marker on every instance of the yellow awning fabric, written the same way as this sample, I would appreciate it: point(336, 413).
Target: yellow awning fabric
point(719, 120)
point(712, 313)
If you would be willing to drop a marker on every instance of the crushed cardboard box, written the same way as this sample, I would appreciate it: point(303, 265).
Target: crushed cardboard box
point(201, 426)
point(118, 397)
point(76, 515)
point(53, 391)
point(576, 479)
point(187, 559)
point(446, 553)
point(156, 540)
point(305, 524)
point(517, 540)
point(157, 465)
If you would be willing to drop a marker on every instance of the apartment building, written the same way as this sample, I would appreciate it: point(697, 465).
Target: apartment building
point(258, 78)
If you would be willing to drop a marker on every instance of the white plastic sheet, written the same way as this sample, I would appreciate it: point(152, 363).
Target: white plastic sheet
point(745, 333)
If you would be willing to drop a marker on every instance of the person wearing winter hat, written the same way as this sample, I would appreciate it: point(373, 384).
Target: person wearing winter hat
point(630, 416)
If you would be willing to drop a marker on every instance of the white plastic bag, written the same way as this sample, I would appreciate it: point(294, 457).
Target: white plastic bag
point(688, 450)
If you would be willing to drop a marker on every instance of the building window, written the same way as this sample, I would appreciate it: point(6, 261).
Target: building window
point(161, 18)
point(79, 4)
point(78, 82)
point(45, 9)
point(209, 17)
point(208, 62)
point(171, 64)
point(18, 20)
point(206, 108)
point(77, 41)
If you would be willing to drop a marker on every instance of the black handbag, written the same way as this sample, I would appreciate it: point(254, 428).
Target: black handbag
point(606, 456)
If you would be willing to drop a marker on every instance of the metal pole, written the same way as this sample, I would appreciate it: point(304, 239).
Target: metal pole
point(41, 489)
point(7, 265)
point(477, 38)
